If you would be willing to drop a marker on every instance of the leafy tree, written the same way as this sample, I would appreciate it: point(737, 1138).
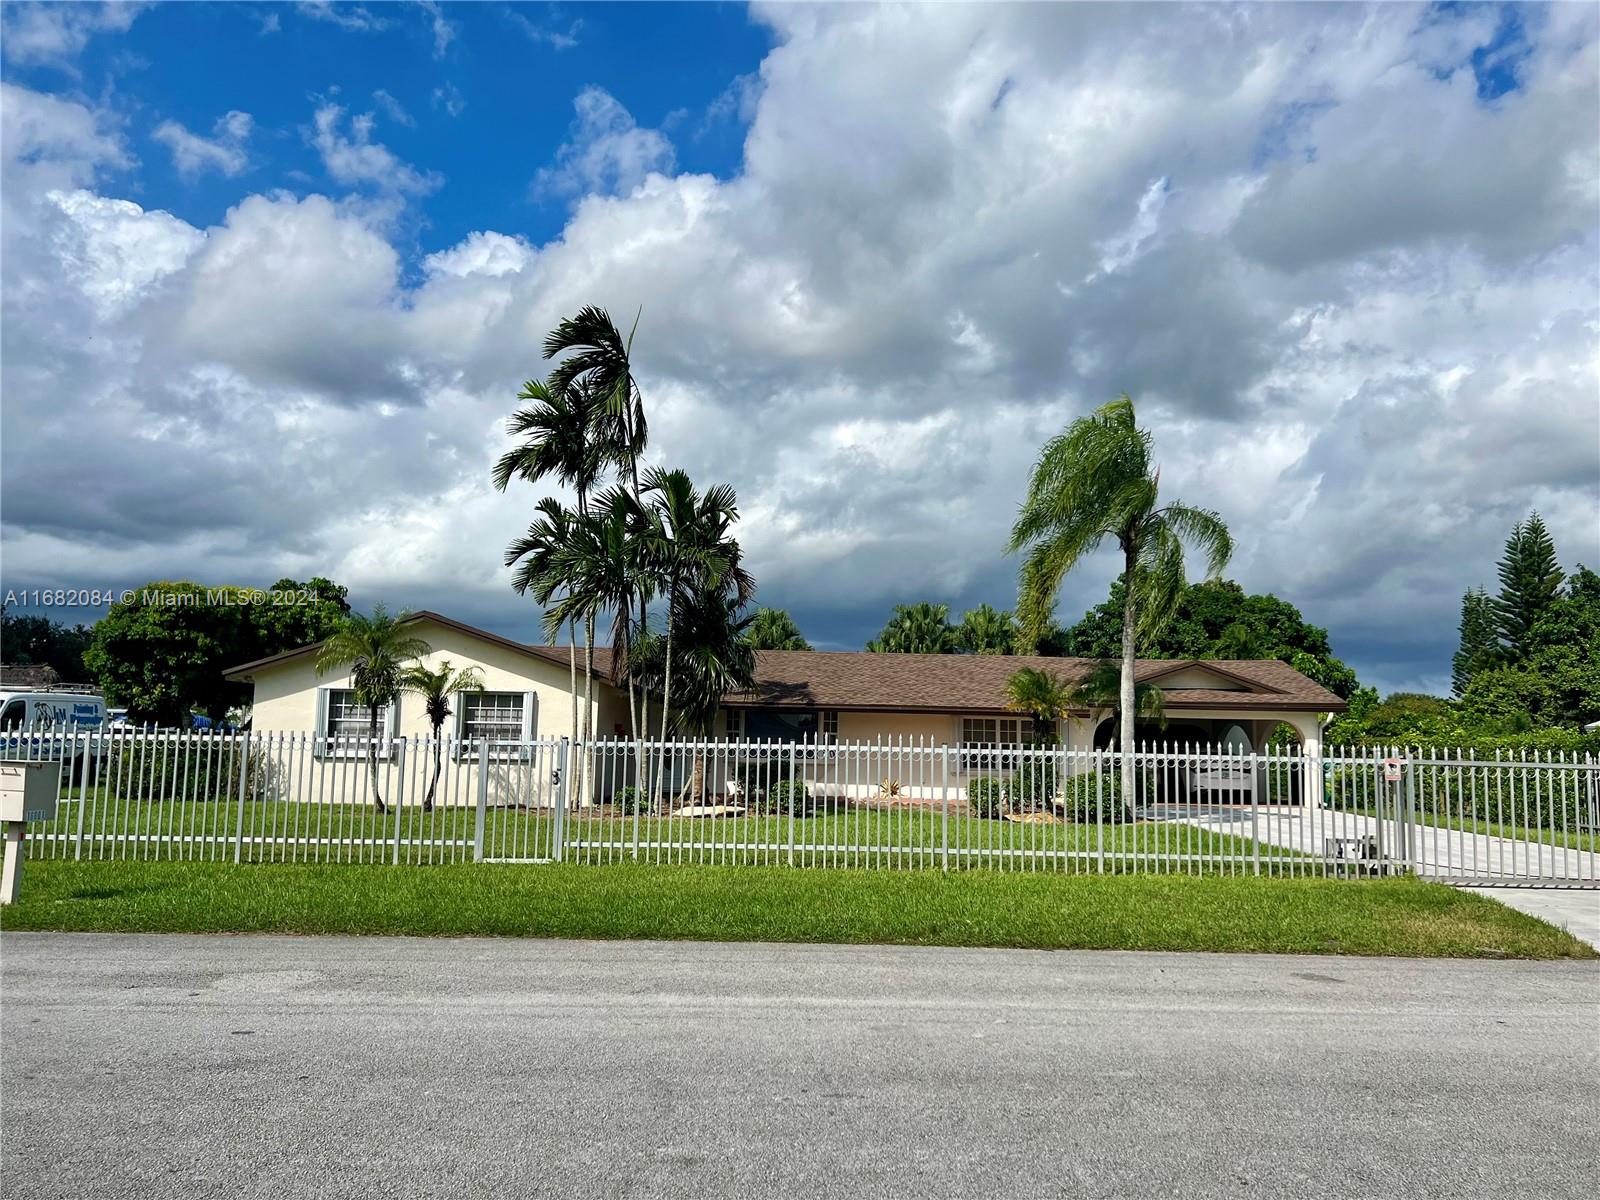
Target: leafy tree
point(917, 629)
point(1043, 696)
point(1530, 581)
point(774, 629)
point(376, 651)
point(162, 654)
point(1557, 681)
point(1215, 619)
point(38, 641)
point(1480, 648)
point(437, 687)
point(987, 630)
point(1096, 482)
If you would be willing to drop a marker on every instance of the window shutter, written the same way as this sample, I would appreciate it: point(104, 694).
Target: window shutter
point(391, 726)
point(319, 735)
point(530, 716)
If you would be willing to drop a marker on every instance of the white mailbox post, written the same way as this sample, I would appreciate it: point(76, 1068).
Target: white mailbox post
point(27, 793)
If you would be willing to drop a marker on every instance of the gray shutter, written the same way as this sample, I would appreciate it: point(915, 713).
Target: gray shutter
point(319, 736)
point(530, 722)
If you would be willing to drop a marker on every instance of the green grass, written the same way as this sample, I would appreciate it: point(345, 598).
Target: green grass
point(1570, 839)
point(286, 831)
point(1207, 912)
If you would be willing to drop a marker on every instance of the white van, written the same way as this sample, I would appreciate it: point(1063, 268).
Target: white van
point(53, 710)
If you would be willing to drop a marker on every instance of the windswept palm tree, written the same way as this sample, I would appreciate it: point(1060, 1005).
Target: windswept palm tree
point(1096, 482)
point(563, 437)
point(437, 687)
point(375, 650)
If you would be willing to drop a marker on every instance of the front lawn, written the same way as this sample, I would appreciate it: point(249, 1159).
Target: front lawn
point(1124, 912)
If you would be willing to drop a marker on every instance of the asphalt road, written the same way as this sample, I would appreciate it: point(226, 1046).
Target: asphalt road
point(277, 1067)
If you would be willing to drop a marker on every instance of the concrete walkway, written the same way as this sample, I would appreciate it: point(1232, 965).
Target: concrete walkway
point(250, 1068)
point(1437, 853)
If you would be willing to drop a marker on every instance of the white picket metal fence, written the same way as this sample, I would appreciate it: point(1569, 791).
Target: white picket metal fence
point(127, 793)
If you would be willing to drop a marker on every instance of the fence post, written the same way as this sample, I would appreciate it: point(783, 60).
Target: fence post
point(789, 795)
point(557, 830)
point(1256, 775)
point(1411, 834)
point(398, 751)
point(244, 776)
point(944, 818)
point(483, 800)
point(1100, 813)
point(84, 779)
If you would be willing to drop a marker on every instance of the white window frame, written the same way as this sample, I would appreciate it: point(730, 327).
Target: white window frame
point(733, 724)
point(328, 745)
point(828, 727)
point(987, 753)
point(502, 749)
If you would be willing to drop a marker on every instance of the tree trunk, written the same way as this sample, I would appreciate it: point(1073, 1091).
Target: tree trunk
point(588, 706)
point(438, 766)
point(372, 756)
point(666, 707)
point(1125, 708)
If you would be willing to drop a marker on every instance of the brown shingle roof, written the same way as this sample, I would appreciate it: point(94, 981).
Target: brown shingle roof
point(976, 682)
point(972, 683)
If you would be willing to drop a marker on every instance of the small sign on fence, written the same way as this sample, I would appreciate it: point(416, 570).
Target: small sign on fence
point(1393, 770)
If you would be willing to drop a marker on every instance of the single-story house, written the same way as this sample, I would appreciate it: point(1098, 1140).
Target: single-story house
point(799, 696)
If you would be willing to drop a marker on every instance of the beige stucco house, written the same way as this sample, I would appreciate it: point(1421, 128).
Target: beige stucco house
point(805, 697)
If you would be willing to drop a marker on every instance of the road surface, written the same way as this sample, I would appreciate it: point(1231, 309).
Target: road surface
point(281, 1067)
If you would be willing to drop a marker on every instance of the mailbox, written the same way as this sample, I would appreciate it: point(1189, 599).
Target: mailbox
point(27, 793)
point(28, 790)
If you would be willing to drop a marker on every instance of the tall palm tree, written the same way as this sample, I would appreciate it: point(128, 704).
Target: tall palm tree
point(563, 436)
point(714, 658)
point(1043, 696)
point(375, 650)
point(1100, 691)
point(597, 359)
point(437, 687)
point(774, 629)
point(1096, 482)
point(692, 544)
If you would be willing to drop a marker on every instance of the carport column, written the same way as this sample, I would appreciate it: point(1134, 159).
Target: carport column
point(1311, 742)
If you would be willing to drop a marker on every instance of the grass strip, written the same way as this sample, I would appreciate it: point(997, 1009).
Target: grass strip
point(1403, 917)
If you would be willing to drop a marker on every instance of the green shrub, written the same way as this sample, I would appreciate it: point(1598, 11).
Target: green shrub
point(986, 795)
point(628, 799)
point(1032, 788)
point(788, 795)
point(1093, 798)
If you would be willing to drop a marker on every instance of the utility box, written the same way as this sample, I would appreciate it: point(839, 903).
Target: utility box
point(28, 790)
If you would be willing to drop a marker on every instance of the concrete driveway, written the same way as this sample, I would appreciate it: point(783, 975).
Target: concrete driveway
point(272, 1067)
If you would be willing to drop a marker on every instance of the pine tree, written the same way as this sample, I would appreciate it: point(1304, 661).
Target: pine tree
point(1530, 581)
point(1480, 648)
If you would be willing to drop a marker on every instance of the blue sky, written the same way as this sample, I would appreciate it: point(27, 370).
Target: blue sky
point(485, 112)
point(272, 275)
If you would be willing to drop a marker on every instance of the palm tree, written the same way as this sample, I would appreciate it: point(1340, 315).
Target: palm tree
point(1043, 696)
point(1093, 482)
point(987, 630)
point(1100, 691)
point(714, 658)
point(774, 629)
point(916, 629)
point(564, 438)
point(436, 687)
point(375, 651)
point(597, 361)
point(692, 546)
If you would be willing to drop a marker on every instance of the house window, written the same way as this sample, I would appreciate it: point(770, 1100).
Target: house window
point(496, 716)
point(991, 731)
point(350, 719)
point(733, 723)
point(830, 726)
